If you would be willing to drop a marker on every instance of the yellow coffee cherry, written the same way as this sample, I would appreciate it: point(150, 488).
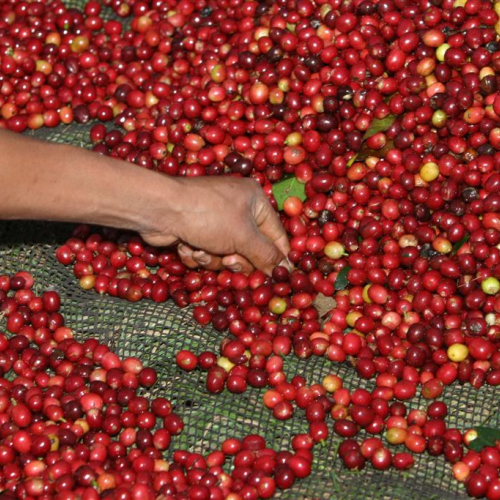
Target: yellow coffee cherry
point(490, 286)
point(439, 118)
point(332, 383)
point(441, 51)
point(429, 172)
point(334, 250)
point(352, 317)
point(223, 362)
point(366, 298)
point(457, 352)
point(293, 139)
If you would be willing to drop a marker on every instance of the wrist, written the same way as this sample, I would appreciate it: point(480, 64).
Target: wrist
point(70, 184)
point(156, 212)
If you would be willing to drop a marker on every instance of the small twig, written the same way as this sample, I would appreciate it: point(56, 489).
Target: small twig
point(490, 416)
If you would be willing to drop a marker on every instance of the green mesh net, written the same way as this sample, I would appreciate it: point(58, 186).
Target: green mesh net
point(156, 332)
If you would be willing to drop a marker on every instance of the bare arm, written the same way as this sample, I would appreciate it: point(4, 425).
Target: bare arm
point(221, 216)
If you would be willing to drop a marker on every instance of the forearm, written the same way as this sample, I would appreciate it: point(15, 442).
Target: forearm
point(224, 216)
point(46, 181)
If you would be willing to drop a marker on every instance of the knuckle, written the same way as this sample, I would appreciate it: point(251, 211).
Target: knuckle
point(269, 255)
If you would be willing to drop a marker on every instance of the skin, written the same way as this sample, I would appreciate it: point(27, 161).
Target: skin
point(216, 222)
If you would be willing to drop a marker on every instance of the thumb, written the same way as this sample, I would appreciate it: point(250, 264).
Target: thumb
point(262, 253)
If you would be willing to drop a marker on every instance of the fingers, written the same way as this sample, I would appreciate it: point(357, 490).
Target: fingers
point(199, 258)
point(237, 263)
point(270, 225)
point(270, 246)
point(207, 260)
point(186, 256)
point(263, 253)
point(252, 235)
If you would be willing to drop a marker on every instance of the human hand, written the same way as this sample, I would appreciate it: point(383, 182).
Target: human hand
point(222, 222)
point(219, 222)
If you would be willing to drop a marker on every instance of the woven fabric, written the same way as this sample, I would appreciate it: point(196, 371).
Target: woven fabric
point(156, 332)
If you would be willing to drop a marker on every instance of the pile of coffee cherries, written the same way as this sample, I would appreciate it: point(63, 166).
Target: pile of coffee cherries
point(75, 422)
point(388, 111)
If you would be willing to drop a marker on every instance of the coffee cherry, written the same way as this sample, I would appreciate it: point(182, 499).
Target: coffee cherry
point(457, 352)
point(186, 360)
point(490, 286)
point(429, 172)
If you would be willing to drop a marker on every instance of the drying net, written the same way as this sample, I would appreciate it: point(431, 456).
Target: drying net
point(156, 332)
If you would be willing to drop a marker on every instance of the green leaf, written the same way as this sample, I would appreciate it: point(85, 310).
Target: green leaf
point(365, 152)
point(352, 160)
point(341, 281)
point(459, 244)
point(379, 126)
point(486, 436)
point(376, 127)
point(286, 188)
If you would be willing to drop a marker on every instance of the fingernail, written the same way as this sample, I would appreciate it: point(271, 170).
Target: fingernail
point(286, 264)
point(236, 267)
point(181, 248)
point(203, 258)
